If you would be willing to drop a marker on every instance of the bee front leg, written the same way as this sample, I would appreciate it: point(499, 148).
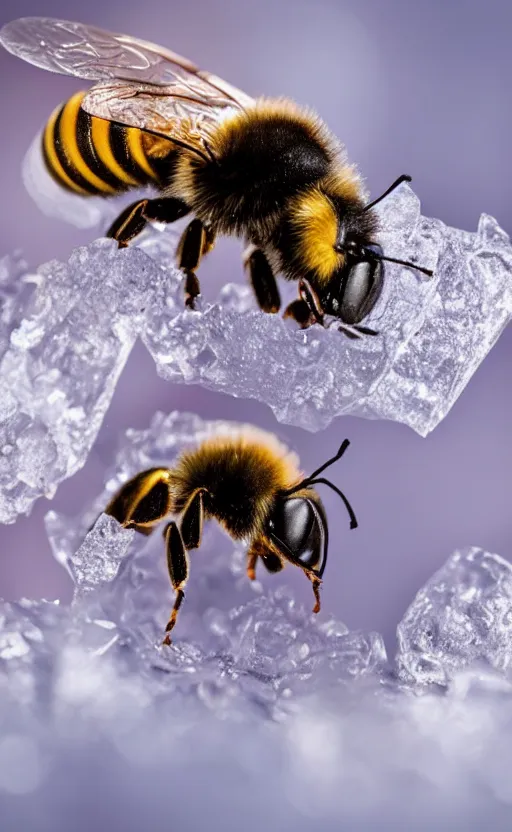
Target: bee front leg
point(177, 564)
point(312, 301)
point(133, 220)
point(316, 582)
point(178, 542)
point(196, 241)
point(262, 280)
point(308, 310)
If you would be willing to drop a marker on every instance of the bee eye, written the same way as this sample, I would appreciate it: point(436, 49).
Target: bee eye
point(360, 290)
point(298, 528)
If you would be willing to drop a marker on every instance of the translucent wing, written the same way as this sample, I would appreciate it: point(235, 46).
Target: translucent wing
point(89, 52)
point(141, 85)
point(186, 117)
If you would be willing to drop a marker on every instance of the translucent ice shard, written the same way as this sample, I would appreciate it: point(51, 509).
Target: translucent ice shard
point(255, 690)
point(433, 333)
point(462, 616)
point(63, 345)
point(61, 356)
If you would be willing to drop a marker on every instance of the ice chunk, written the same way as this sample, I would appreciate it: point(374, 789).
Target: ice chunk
point(255, 690)
point(463, 615)
point(98, 559)
point(65, 345)
point(63, 351)
point(434, 333)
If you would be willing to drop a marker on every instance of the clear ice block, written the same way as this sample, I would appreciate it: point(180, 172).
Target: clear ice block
point(67, 335)
point(461, 617)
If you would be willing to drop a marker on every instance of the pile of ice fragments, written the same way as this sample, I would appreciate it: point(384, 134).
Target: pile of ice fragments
point(63, 347)
point(259, 714)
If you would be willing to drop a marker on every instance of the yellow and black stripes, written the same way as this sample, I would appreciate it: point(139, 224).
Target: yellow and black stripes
point(91, 156)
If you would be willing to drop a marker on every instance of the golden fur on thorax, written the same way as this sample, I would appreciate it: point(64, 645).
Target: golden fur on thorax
point(242, 127)
point(315, 225)
point(241, 476)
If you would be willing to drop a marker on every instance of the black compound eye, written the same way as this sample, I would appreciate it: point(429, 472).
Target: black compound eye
point(299, 529)
point(361, 289)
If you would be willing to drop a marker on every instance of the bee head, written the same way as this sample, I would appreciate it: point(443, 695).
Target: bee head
point(297, 527)
point(355, 287)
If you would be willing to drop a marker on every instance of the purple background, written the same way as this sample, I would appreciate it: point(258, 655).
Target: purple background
point(422, 88)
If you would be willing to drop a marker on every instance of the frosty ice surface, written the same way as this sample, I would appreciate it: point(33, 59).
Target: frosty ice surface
point(64, 347)
point(63, 354)
point(462, 616)
point(256, 696)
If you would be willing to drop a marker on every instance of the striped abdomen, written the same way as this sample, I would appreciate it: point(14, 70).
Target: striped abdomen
point(91, 156)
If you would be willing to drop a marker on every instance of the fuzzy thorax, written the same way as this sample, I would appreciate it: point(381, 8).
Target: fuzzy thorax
point(263, 157)
point(241, 475)
point(314, 225)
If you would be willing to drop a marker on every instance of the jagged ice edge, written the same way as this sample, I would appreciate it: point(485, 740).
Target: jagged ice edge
point(256, 688)
point(66, 346)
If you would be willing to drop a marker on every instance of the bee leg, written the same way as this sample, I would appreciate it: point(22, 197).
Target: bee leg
point(316, 590)
point(195, 242)
point(262, 280)
point(299, 311)
point(129, 223)
point(260, 548)
point(192, 520)
point(177, 564)
point(136, 216)
point(252, 559)
point(167, 209)
point(143, 501)
point(312, 301)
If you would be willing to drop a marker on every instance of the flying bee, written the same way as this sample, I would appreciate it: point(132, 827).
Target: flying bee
point(264, 170)
point(250, 483)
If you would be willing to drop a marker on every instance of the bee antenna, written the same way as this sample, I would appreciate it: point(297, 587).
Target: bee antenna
point(422, 269)
point(307, 481)
point(351, 514)
point(403, 178)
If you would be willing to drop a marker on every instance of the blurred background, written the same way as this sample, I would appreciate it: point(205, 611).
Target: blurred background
point(421, 88)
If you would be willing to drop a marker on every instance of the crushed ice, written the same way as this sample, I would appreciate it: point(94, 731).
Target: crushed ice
point(260, 712)
point(63, 346)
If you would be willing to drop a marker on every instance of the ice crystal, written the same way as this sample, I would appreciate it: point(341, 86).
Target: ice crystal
point(259, 714)
point(64, 347)
point(462, 616)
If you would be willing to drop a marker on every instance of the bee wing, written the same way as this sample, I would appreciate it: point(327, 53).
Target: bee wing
point(183, 114)
point(141, 85)
point(89, 52)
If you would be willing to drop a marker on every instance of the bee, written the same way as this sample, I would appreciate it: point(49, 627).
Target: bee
point(251, 484)
point(264, 170)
